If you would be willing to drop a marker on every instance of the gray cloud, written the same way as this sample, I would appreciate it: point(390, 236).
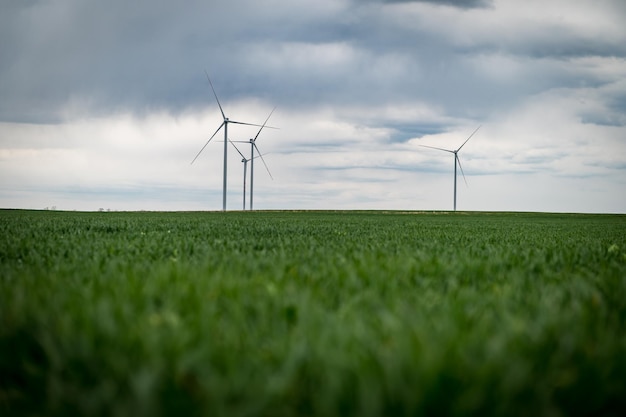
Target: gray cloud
point(114, 56)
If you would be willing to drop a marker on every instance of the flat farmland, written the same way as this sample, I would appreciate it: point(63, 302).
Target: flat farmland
point(312, 313)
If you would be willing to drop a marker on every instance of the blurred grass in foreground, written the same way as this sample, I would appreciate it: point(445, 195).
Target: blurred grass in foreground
point(312, 313)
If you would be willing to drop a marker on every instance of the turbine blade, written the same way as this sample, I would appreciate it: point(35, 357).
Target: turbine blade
point(440, 149)
point(263, 160)
point(470, 136)
point(264, 123)
point(243, 123)
point(459, 161)
point(259, 156)
point(252, 124)
point(215, 94)
point(207, 142)
point(235, 146)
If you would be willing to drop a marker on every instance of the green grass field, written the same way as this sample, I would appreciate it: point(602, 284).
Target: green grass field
point(312, 313)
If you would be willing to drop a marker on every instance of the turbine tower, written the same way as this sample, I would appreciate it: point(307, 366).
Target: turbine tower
point(456, 160)
point(252, 143)
point(245, 168)
point(252, 158)
point(225, 125)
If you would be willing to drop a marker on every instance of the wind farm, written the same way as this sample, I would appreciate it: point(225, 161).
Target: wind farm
point(224, 124)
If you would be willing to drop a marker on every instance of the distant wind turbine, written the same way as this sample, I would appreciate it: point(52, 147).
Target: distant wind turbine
point(252, 158)
point(225, 125)
point(245, 166)
point(456, 160)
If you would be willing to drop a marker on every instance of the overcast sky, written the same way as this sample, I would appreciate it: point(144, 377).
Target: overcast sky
point(104, 104)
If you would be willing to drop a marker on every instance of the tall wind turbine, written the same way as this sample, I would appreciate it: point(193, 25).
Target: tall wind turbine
point(245, 168)
point(456, 160)
point(225, 125)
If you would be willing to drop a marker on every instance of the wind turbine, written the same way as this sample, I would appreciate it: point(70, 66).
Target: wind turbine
point(245, 166)
point(456, 160)
point(252, 158)
point(225, 125)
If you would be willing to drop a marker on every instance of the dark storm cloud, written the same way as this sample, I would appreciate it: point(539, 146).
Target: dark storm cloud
point(101, 55)
point(107, 56)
